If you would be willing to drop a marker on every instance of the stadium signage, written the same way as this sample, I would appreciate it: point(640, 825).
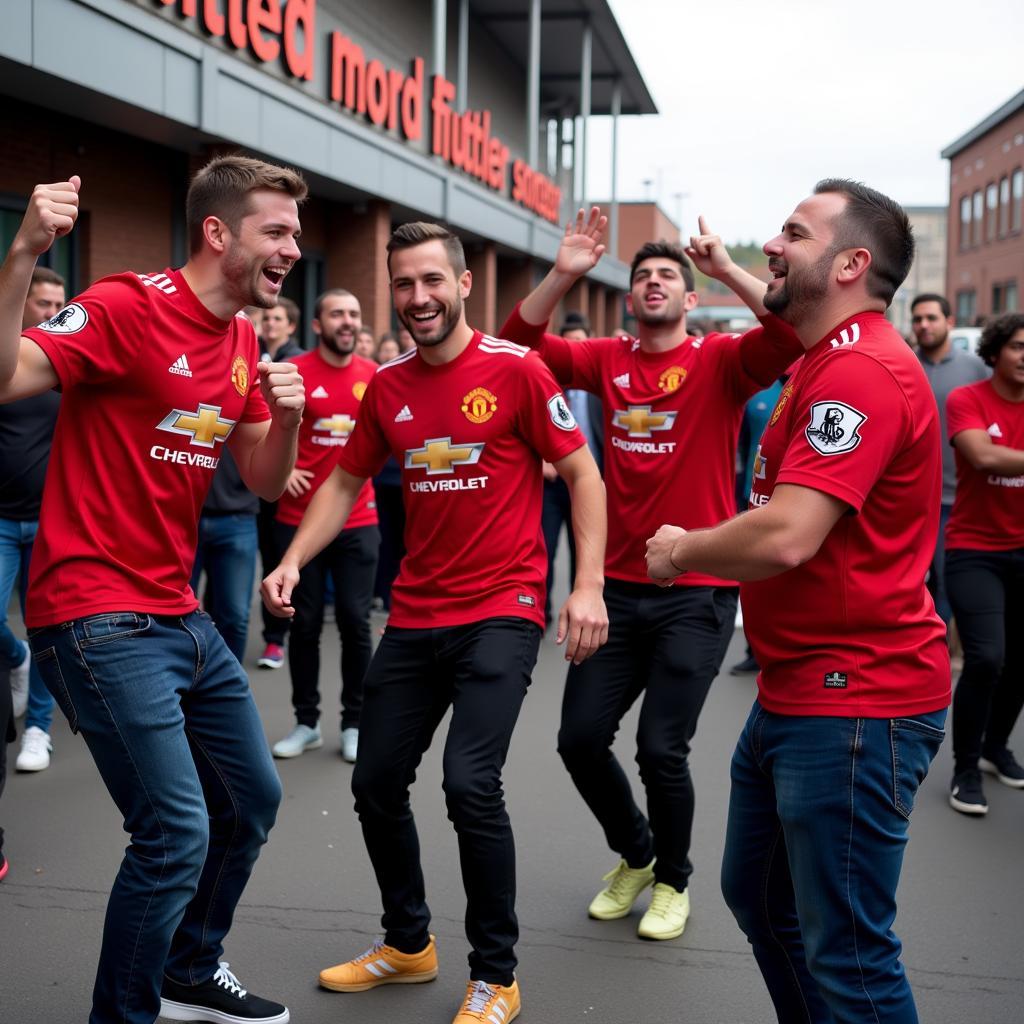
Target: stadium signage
point(390, 99)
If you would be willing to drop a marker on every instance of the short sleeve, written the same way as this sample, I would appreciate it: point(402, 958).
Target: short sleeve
point(851, 419)
point(367, 449)
point(963, 412)
point(546, 422)
point(573, 363)
point(96, 337)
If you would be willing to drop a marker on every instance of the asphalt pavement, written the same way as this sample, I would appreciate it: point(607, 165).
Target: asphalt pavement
point(312, 900)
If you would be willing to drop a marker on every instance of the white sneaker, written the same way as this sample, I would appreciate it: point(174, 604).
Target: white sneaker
point(349, 744)
point(19, 683)
point(34, 755)
point(298, 741)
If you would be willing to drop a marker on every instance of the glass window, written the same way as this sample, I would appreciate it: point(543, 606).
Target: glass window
point(965, 222)
point(992, 202)
point(1018, 197)
point(1004, 207)
point(998, 297)
point(1011, 298)
point(965, 306)
point(979, 217)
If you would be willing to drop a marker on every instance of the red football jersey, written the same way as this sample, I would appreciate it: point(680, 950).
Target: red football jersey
point(469, 437)
point(153, 386)
point(333, 395)
point(672, 423)
point(853, 631)
point(988, 512)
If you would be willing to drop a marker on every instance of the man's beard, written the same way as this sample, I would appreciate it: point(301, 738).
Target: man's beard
point(440, 334)
point(339, 348)
point(243, 275)
point(801, 290)
point(671, 313)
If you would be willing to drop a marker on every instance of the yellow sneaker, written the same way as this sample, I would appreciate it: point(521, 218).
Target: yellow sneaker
point(495, 1004)
point(624, 885)
point(667, 914)
point(382, 965)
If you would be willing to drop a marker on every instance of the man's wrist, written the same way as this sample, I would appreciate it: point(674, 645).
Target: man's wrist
point(674, 559)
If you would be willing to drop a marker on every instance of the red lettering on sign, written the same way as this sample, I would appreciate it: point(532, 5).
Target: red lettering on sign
point(299, 14)
point(265, 14)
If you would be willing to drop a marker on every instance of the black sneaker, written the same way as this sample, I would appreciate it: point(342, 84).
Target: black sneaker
point(747, 667)
point(1003, 765)
point(221, 1000)
point(966, 794)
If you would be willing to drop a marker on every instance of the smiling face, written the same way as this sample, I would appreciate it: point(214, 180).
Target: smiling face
point(427, 294)
point(658, 295)
point(259, 253)
point(800, 258)
point(277, 328)
point(338, 324)
point(1009, 364)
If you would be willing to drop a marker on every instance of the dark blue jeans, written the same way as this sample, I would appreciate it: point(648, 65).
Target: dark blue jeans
point(227, 551)
point(16, 540)
point(818, 820)
point(170, 721)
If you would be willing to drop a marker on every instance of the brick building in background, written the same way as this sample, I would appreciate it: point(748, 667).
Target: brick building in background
point(135, 95)
point(985, 266)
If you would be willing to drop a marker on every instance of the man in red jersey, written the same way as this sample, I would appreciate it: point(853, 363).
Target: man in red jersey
point(854, 682)
point(673, 406)
point(158, 372)
point(469, 419)
point(335, 379)
point(985, 564)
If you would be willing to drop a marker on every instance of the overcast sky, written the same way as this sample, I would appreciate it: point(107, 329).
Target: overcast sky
point(760, 100)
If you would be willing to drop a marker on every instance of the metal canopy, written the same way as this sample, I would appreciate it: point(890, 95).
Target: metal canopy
point(562, 24)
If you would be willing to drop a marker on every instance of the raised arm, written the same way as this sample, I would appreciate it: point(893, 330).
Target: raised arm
point(581, 247)
point(51, 213)
point(711, 257)
point(327, 514)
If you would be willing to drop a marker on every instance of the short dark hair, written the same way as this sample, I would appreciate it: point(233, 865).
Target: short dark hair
point(222, 189)
point(418, 232)
point(44, 275)
point(291, 310)
point(997, 333)
point(574, 320)
point(664, 250)
point(319, 304)
point(879, 224)
point(947, 309)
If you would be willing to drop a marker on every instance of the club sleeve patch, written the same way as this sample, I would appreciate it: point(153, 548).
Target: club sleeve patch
point(834, 428)
point(560, 413)
point(70, 320)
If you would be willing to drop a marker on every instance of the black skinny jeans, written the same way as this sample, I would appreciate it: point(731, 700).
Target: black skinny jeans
point(351, 561)
point(482, 671)
point(986, 590)
point(668, 645)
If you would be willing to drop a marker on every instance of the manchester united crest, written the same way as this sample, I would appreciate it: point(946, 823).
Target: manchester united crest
point(672, 379)
point(359, 389)
point(240, 375)
point(479, 405)
point(780, 404)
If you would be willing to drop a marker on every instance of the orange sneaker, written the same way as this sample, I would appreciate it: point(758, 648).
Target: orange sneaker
point(382, 965)
point(495, 1004)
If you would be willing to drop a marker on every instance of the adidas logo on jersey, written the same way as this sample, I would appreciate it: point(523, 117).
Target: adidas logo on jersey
point(180, 367)
point(320, 392)
point(160, 281)
point(404, 415)
point(847, 337)
point(994, 431)
point(622, 381)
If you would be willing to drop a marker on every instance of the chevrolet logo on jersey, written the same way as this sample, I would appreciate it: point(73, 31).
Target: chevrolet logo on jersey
point(204, 426)
point(439, 455)
point(641, 420)
point(337, 425)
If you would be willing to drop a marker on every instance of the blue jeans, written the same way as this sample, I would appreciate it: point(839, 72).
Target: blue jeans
point(16, 539)
point(169, 719)
point(227, 551)
point(818, 819)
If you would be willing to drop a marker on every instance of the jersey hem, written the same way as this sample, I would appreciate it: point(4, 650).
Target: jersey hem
point(106, 607)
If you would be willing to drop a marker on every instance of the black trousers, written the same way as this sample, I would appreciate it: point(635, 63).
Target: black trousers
point(556, 510)
point(391, 513)
point(274, 629)
point(986, 590)
point(482, 671)
point(667, 644)
point(350, 560)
